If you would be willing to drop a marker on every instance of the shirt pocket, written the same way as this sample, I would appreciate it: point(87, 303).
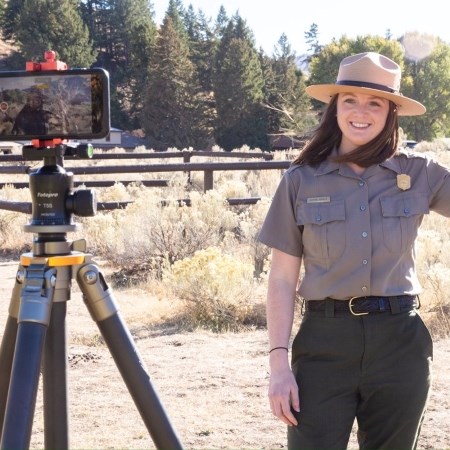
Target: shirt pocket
point(401, 218)
point(323, 229)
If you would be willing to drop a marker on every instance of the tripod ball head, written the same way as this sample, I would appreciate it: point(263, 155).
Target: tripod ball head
point(54, 202)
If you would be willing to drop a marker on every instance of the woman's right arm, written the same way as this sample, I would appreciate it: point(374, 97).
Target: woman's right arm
point(283, 280)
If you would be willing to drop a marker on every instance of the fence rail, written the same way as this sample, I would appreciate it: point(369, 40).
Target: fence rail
point(208, 168)
point(89, 184)
point(26, 207)
point(187, 155)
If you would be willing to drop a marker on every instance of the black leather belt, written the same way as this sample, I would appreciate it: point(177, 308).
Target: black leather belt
point(359, 306)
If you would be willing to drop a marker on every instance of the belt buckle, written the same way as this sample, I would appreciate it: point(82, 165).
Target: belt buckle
point(350, 307)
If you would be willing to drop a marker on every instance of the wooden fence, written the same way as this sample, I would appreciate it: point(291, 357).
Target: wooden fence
point(264, 162)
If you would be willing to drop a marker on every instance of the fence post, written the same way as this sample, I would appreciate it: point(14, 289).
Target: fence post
point(187, 159)
point(208, 180)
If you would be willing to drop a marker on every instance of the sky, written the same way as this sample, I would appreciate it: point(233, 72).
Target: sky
point(269, 20)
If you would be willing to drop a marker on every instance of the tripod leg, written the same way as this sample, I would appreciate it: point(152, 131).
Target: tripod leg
point(56, 417)
point(8, 346)
point(101, 304)
point(55, 381)
point(34, 317)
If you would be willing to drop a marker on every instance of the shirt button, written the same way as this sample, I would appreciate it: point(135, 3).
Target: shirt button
point(406, 211)
point(365, 234)
point(362, 207)
point(365, 261)
point(318, 218)
point(364, 288)
point(361, 183)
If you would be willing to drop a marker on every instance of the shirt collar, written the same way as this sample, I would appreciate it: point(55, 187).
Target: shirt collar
point(328, 166)
point(393, 163)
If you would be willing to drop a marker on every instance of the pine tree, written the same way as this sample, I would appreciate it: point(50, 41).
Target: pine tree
point(202, 50)
point(202, 46)
point(133, 47)
point(97, 15)
point(178, 14)
point(288, 96)
point(54, 25)
point(270, 93)
point(173, 111)
point(312, 39)
point(124, 32)
point(221, 23)
point(241, 116)
point(9, 19)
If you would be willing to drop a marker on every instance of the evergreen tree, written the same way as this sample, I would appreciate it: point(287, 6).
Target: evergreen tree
point(54, 25)
point(9, 18)
point(221, 23)
point(178, 14)
point(133, 47)
point(426, 78)
point(173, 111)
point(290, 101)
point(270, 93)
point(125, 32)
point(98, 16)
point(312, 39)
point(202, 46)
point(202, 49)
point(241, 116)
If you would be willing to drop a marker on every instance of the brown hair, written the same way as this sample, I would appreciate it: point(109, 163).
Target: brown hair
point(327, 136)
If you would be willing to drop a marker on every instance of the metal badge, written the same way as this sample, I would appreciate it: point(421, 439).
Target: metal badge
point(404, 181)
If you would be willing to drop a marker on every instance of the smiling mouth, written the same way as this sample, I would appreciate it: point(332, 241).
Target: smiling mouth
point(360, 125)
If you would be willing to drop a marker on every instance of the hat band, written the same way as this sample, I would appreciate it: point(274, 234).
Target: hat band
point(379, 87)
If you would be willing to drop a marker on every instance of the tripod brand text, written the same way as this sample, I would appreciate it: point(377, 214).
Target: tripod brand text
point(48, 194)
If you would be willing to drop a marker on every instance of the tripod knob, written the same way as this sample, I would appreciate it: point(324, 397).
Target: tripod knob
point(85, 151)
point(82, 202)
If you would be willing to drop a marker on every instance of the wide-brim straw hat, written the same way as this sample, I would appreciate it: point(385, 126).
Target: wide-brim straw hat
point(372, 74)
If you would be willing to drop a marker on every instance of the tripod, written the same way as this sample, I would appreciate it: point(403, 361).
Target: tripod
point(35, 333)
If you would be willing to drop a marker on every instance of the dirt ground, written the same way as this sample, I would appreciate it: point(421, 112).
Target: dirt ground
point(213, 387)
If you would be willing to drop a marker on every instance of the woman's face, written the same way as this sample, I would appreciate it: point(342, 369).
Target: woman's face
point(361, 118)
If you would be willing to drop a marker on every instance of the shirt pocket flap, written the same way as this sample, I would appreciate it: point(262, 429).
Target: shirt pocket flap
point(320, 213)
point(404, 205)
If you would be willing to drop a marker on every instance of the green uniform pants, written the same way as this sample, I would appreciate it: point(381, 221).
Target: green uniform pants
point(375, 368)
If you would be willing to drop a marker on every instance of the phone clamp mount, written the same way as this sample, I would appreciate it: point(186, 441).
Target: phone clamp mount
point(34, 338)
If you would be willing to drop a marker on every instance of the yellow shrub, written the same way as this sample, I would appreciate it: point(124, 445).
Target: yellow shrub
point(217, 290)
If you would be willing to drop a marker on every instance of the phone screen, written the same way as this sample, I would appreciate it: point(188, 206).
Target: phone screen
point(72, 104)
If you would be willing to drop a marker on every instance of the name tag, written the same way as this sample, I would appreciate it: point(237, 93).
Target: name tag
point(318, 200)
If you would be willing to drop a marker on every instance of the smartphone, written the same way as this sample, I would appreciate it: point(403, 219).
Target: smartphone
point(67, 104)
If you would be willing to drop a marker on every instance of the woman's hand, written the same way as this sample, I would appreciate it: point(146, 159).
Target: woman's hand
point(281, 292)
point(283, 394)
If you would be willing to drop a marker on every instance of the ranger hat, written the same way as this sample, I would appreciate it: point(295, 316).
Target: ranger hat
point(372, 74)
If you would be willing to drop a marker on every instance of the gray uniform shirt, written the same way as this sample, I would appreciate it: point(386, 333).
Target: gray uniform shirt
point(356, 234)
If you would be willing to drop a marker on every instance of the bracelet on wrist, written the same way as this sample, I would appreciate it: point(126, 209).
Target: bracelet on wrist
point(278, 348)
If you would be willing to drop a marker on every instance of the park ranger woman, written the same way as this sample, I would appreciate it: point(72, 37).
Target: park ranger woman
point(349, 209)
